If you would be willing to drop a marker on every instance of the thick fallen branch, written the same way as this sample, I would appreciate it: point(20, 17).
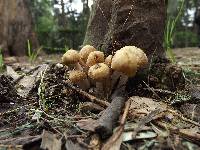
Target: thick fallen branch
point(116, 139)
point(108, 120)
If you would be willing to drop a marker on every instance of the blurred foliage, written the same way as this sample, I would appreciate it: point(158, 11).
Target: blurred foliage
point(32, 54)
point(186, 31)
point(170, 30)
point(58, 25)
point(186, 38)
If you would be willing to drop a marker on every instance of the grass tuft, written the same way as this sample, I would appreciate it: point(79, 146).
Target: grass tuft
point(32, 55)
point(169, 33)
point(1, 61)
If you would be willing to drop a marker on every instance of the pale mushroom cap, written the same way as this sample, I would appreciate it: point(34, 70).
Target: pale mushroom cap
point(125, 61)
point(85, 51)
point(70, 57)
point(142, 59)
point(108, 60)
point(76, 76)
point(99, 71)
point(94, 58)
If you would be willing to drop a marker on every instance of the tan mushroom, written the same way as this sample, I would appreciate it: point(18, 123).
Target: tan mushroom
point(142, 59)
point(79, 78)
point(126, 61)
point(100, 73)
point(71, 58)
point(85, 51)
point(108, 60)
point(94, 58)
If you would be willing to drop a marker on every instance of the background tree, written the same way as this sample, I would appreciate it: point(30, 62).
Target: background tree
point(114, 24)
point(197, 20)
point(44, 20)
point(186, 30)
point(58, 24)
point(16, 27)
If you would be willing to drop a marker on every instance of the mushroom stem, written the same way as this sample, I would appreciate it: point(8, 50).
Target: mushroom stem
point(107, 87)
point(84, 84)
point(114, 78)
point(99, 73)
point(122, 81)
point(79, 78)
point(118, 80)
point(78, 67)
point(99, 89)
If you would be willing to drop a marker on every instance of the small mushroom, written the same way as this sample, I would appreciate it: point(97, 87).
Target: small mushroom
point(99, 73)
point(85, 51)
point(108, 60)
point(79, 78)
point(72, 57)
point(94, 58)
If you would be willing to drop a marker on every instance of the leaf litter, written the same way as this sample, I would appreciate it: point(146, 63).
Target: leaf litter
point(68, 120)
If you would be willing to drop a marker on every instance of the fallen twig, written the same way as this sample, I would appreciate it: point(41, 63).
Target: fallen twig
point(184, 119)
point(127, 106)
point(110, 116)
point(92, 98)
point(187, 134)
point(146, 120)
point(119, 130)
point(184, 133)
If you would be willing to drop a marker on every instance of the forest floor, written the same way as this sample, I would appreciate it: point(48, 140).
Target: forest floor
point(40, 109)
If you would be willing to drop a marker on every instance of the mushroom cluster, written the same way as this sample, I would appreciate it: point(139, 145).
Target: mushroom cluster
point(89, 67)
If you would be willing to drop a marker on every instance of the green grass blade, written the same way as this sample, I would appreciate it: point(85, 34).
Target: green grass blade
point(29, 48)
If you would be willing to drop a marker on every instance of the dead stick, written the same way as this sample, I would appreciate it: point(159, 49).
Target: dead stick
point(127, 106)
point(146, 120)
point(108, 120)
point(119, 129)
point(92, 98)
point(183, 118)
point(193, 137)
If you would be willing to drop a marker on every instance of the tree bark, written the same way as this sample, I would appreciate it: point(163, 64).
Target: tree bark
point(16, 27)
point(197, 19)
point(114, 24)
point(98, 24)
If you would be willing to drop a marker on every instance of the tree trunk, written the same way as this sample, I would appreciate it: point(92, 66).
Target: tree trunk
point(16, 27)
point(197, 20)
point(114, 24)
point(98, 24)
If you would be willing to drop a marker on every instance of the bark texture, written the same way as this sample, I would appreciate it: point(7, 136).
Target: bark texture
point(15, 27)
point(197, 20)
point(98, 24)
point(130, 22)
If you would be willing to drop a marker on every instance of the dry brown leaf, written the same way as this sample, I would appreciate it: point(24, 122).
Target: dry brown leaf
point(115, 141)
point(69, 145)
point(50, 142)
point(88, 124)
point(11, 72)
point(95, 142)
point(27, 83)
point(141, 106)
